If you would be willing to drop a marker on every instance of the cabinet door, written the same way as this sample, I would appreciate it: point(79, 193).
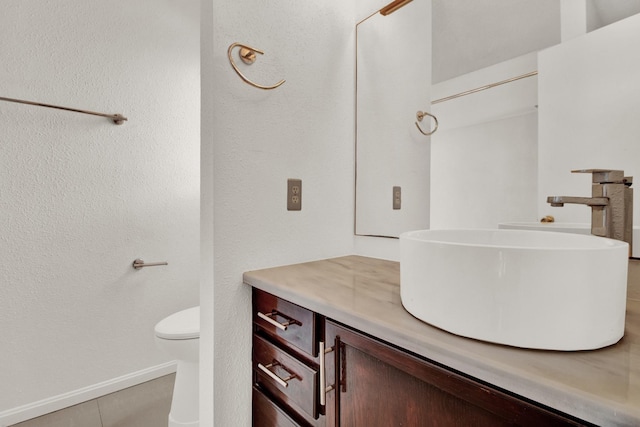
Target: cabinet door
point(379, 385)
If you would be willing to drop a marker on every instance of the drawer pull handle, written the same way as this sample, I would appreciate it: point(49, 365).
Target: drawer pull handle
point(268, 317)
point(323, 369)
point(282, 381)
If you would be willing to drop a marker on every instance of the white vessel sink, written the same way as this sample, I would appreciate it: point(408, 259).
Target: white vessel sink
point(567, 227)
point(527, 289)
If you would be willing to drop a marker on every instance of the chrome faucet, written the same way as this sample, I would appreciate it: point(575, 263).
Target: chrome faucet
point(611, 204)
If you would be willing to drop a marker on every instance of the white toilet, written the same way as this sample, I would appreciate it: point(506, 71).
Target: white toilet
point(179, 336)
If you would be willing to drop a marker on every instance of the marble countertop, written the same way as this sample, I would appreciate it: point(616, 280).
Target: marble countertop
point(599, 386)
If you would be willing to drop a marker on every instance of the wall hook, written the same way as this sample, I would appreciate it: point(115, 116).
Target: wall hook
point(138, 264)
point(420, 115)
point(248, 56)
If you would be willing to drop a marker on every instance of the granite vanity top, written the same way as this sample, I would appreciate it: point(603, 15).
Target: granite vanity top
point(599, 386)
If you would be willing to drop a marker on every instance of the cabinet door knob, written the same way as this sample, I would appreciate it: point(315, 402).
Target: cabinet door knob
point(284, 382)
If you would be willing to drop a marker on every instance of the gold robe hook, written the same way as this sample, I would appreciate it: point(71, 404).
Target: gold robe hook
point(420, 115)
point(248, 56)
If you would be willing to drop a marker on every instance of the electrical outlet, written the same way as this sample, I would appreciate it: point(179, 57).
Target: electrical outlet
point(294, 194)
point(397, 198)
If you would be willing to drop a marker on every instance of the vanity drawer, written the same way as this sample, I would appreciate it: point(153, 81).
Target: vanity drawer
point(286, 378)
point(286, 322)
point(268, 414)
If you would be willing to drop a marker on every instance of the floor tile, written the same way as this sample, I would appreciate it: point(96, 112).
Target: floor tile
point(145, 405)
point(83, 415)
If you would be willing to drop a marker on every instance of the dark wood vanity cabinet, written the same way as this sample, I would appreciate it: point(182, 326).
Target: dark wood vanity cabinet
point(380, 385)
point(286, 363)
point(369, 383)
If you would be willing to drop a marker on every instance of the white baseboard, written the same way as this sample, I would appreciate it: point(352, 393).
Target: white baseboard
point(56, 403)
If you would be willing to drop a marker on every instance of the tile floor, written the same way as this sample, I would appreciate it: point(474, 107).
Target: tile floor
point(144, 405)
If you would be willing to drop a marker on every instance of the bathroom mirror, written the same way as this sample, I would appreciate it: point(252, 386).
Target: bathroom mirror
point(505, 29)
point(588, 115)
point(393, 79)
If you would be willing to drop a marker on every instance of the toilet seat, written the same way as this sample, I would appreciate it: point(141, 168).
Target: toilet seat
point(183, 325)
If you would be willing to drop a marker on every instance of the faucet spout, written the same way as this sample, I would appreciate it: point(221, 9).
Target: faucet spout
point(559, 201)
point(611, 204)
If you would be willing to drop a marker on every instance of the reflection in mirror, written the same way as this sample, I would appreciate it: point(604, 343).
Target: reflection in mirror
point(468, 36)
point(488, 169)
point(393, 76)
point(498, 153)
point(588, 114)
point(471, 35)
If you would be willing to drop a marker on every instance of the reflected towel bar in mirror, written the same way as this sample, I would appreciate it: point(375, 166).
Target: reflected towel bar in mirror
point(117, 118)
point(248, 56)
point(481, 88)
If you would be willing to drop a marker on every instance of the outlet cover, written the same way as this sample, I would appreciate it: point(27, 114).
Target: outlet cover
point(397, 198)
point(294, 194)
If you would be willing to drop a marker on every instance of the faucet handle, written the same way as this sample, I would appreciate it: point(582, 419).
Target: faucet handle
point(604, 176)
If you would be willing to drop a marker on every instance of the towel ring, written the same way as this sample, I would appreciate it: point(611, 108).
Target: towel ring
point(248, 56)
point(420, 115)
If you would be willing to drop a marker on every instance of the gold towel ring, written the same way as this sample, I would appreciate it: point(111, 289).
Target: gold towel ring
point(248, 56)
point(420, 115)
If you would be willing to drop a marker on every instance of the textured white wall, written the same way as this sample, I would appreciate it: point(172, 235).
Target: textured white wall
point(208, 105)
point(304, 129)
point(81, 198)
